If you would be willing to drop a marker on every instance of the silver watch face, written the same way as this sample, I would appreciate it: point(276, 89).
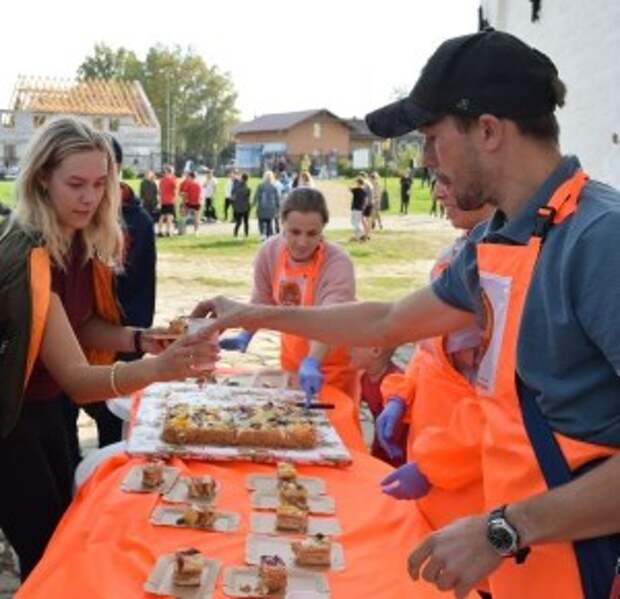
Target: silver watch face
point(502, 537)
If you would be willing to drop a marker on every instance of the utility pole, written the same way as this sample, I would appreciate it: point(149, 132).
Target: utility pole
point(173, 147)
point(168, 118)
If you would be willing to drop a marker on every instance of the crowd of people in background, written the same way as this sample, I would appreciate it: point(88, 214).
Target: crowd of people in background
point(175, 203)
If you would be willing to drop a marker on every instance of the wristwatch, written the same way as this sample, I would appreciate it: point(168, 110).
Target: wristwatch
point(504, 537)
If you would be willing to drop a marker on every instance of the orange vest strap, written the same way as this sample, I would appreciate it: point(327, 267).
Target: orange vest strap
point(40, 285)
point(106, 307)
point(561, 205)
point(566, 198)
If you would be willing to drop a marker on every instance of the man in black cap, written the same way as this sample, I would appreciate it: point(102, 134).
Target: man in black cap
point(542, 278)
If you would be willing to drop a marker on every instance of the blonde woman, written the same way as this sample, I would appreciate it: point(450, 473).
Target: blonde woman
point(267, 202)
point(57, 252)
point(305, 179)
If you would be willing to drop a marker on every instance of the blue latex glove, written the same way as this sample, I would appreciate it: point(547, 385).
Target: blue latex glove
point(406, 482)
point(387, 425)
point(239, 342)
point(310, 378)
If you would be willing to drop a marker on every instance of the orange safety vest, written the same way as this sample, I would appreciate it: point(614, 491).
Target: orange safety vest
point(40, 285)
point(510, 469)
point(444, 439)
point(294, 285)
point(441, 454)
point(445, 424)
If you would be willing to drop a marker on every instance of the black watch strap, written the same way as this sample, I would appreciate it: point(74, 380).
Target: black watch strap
point(521, 553)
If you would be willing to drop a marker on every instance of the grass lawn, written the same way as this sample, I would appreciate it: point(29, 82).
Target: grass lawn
point(392, 264)
point(6, 192)
point(420, 202)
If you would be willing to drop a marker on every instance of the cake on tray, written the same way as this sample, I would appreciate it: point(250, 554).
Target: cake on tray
point(272, 425)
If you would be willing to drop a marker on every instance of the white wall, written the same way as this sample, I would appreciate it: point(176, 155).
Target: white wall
point(582, 37)
point(141, 145)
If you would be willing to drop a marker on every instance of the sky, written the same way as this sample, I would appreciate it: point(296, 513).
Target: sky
point(348, 57)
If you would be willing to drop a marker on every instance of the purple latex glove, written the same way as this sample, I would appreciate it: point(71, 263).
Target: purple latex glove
point(239, 342)
point(406, 482)
point(310, 378)
point(387, 425)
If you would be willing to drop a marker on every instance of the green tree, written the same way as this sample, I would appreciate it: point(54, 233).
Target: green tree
point(107, 63)
point(194, 103)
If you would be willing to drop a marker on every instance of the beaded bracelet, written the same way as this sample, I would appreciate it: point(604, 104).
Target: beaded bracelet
point(113, 386)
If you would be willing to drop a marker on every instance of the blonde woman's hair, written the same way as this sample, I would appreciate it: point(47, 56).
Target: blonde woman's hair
point(60, 138)
point(268, 177)
point(305, 178)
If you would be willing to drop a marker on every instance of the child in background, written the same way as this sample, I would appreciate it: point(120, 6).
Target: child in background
point(376, 363)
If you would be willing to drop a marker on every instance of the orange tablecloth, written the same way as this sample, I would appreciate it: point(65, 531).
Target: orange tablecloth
point(105, 546)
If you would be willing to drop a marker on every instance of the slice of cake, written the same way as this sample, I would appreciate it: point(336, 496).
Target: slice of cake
point(313, 551)
point(272, 574)
point(301, 435)
point(178, 326)
point(178, 424)
point(188, 567)
point(201, 487)
point(152, 474)
point(290, 517)
point(197, 516)
point(286, 472)
point(293, 493)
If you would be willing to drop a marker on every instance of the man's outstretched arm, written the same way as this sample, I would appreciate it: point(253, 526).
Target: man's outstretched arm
point(419, 315)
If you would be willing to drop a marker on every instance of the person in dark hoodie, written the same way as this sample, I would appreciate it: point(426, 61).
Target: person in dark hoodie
point(136, 285)
point(135, 288)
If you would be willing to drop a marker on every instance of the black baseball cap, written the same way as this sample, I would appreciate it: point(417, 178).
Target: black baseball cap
point(489, 72)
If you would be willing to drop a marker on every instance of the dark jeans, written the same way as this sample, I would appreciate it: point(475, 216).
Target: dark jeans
point(109, 426)
point(404, 204)
point(227, 205)
point(210, 209)
point(37, 480)
point(245, 217)
point(265, 226)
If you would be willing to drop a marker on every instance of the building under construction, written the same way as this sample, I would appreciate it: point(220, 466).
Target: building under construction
point(118, 107)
